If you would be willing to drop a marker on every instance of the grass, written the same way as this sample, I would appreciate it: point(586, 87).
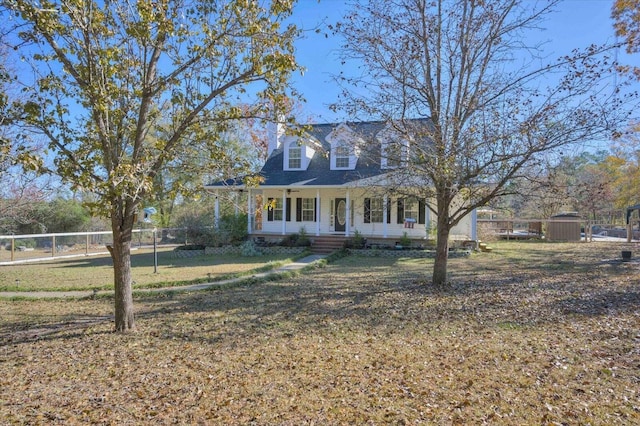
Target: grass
point(96, 272)
point(360, 341)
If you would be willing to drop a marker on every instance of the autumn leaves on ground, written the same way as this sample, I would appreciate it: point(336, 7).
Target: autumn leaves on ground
point(532, 333)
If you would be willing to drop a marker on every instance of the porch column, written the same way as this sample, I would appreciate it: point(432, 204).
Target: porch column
point(474, 225)
point(284, 212)
point(249, 212)
point(216, 210)
point(385, 212)
point(318, 212)
point(347, 228)
point(427, 217)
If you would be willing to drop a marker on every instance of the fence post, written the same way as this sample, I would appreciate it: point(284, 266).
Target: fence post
point(13, 248)
point(53, 246)
point(155, 252)
point(86, 245)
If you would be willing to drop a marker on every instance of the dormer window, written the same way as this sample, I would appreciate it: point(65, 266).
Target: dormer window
point(394, 153)
point(342, 157)
point(298, 153)
point(345, 149)
point(394, 150)
point(295, 156)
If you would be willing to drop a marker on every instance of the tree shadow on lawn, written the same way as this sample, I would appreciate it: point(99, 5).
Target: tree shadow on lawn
point(380, 298)
point(302, 301)
point(165, 260)
point(540, 298)
point(24, 332)
point(570, 257)
point(603, 303)
point(383, 303)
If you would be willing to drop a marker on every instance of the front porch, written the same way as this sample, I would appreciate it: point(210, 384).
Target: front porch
point(274, 213)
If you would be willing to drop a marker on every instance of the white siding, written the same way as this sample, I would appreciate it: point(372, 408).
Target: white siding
point(357, 197)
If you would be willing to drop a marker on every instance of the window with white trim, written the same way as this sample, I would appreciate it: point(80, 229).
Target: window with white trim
point(345, 148)
point(342, 157)
point(277, 209)
point(394, 150)
point(373, 210)
point(376, 210)
point(295, 156)
point(411, 210)
point(308, 209)
point(393, 155)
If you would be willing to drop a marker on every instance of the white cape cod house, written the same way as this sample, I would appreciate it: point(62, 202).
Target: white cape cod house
point(333, 181)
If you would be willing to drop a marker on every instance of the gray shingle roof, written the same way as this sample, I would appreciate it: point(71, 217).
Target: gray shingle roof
point(319, 172)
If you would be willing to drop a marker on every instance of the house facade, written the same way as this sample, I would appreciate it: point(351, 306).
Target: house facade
point(334, 179)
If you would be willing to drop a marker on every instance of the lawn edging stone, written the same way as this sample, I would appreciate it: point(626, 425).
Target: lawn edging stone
point(411, 253)
point(183, 254)
point(236, 250)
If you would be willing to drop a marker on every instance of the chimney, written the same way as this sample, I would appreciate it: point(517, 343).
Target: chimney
point(275, 133)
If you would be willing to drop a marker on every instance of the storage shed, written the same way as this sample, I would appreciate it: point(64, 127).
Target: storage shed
point(564, 227)
point(630, 211)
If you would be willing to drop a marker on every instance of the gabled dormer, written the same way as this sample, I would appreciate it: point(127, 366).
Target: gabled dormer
point(394, 148)
point(298, 152)
point(345, 149)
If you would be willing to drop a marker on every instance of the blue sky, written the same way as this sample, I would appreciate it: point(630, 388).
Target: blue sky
point(576, 24)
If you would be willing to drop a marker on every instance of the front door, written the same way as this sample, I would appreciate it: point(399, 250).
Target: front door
point(340, 214)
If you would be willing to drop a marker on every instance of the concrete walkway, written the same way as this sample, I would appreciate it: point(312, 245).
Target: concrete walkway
point(294, 266)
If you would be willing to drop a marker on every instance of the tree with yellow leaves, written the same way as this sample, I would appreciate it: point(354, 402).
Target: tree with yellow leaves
point(623, 167)
point(121, 89)
point(626, 17)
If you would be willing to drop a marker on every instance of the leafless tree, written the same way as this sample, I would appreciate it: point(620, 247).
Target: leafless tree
point(474, 104)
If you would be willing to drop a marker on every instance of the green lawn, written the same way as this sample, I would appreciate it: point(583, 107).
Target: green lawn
point(96, 272)
point(530, 334)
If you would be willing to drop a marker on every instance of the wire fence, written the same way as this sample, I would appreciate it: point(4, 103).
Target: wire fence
point(555, 229)
point(14, 248)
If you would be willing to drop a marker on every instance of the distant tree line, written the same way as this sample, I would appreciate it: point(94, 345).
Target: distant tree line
point(42, 216)
point(29, 212)
point(599, 186)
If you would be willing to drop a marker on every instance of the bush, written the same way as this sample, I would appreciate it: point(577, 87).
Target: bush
point(249, 249)
point(289, 241)
point(299, 239)
point(196, 221)
point(232, 230)
point(234, 227)
point(356, 242)
point(303, 239)
point(193, 235)
point(405, 241)
point(25, 242)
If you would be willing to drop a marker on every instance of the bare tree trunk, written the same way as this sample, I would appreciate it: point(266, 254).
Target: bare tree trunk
point(442, 252)
point(121, 256)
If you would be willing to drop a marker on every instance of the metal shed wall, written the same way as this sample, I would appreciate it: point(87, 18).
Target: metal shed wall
point(565, 227)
